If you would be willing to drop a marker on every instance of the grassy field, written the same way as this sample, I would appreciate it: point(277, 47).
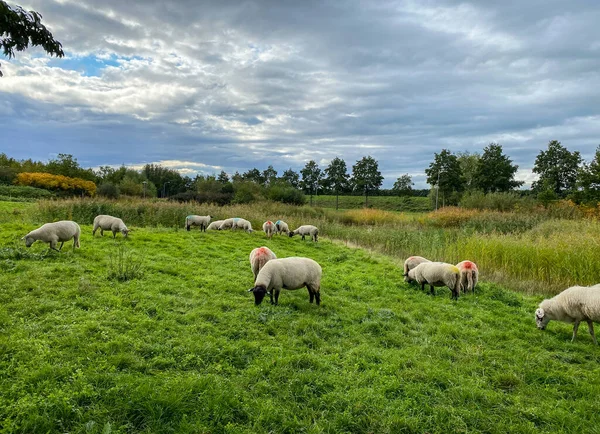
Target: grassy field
point(174, 343)
point(388, 203)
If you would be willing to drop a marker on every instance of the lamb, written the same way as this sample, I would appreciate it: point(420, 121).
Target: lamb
point(573, 305)
point(289, 273)
point(197, 220)
point(259, 257)
point(306, 230)
point(411, 263)
point(469, 274)
point(107, 222)
point(281, 227)
point(437, 274)
point(269, 228)
point(214, 226)
point(52, 233)
point(242, 224)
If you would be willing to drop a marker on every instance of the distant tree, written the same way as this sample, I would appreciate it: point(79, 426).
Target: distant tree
point(20, 29)
point(291, 177)
point(269, 175)
point(403, 185)
point(223, 178)
point(254, 175)
point(495, 171)
point(469, 162)
point(366, 176)
point(312, 177)
point(445, 174)
point(236, 177)
point(67, 165)
point(337, 177)
point(558, 169)
point(165, 179)
point(589, 179)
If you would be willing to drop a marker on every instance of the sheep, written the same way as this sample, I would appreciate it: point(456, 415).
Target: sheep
point(573, 305)
point(242, 224)
point(214, 226)
point(107, 222)
point(469, 274)
point(52, 233)
point(259, 257)
point(269, 228)
point(437, 274)
point(306, 230)
point(281, 227)
point(197, 220)
point(411, 263)
point(288, 273)
point(227, 224)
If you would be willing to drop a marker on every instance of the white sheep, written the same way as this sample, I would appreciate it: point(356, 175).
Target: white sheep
point(109, 223)
point(437, 274)
point(573, 305)
point(227, 224)
point(469, 275)
point(411, 263)
point(52, 233)
point(288, 273)
point(197, 220)
point(259, 257)
point(305, 230)
point(214, 226)
point(281, 227)
point(243, 224)
point(269, 228)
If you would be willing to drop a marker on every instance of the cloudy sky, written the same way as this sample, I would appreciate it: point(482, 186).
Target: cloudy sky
point(205, 86)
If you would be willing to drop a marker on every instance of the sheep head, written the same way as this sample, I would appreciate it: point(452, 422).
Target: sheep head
point(541, 319)
point(259, 293)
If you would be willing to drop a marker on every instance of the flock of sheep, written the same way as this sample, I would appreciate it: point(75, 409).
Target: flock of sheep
point(573, 305)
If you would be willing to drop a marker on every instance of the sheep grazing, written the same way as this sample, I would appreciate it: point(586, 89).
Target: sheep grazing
point(197, 220)
point(259, 257)
point(305, 230)
point(53, 233)
point(269, 228)
point(214, 226)
point(288, 273)
point(227, 224)
point(242, 224)
point(469, 274)
point(437, 274)
point(411, 263)
point(281, 227)
point(573, 305)
point(109, 223)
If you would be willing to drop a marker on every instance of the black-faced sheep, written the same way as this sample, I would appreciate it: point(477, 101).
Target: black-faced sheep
point(305, 230)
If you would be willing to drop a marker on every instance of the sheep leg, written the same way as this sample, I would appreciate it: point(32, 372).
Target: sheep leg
point(61, 244)
point(431, 290)
point(114, 234)
point(94, 231)
point(53, 246)
point(101, 232)
point(311, 294)
point(423, 286)
point(575, 327)
point(270, 296)
point(591, 327)
point(276, 296)
point(318, 297)
point(303, 237)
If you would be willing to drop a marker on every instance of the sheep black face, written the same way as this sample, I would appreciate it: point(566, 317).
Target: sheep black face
point(541, 319)
point(290, 234)
point(259, 293)
point(28, 241)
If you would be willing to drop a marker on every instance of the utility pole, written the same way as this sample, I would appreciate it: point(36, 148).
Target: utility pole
point(165, 188)
point(437, 190)
point(144, 182)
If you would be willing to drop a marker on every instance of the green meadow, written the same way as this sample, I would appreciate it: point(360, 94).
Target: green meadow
point(157, 334)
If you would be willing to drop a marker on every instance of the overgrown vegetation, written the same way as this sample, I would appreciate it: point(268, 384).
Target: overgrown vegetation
point(183, 348)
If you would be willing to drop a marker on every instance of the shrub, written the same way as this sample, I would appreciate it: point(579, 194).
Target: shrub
point(216, 197)
point(57, 183)
point(16, 191)
point(286, 194)
point(246, 192)
point(505, 201)
point(108, 190)
point(124, 265)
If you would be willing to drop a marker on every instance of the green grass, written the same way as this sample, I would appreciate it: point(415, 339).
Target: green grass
point(388, 203)
point(180, 347)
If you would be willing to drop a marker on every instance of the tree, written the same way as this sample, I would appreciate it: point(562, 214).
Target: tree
point(403, 185)
point(20, 29)
point(444, 173)
point(558, 169)
point(254, 175)
point(269, 175)
point(366, 176)
point(312, 177)
point(495, 171)
point(165, 179)
point(291, 177)
point(223, 178)
point(337, 177)
point(589, 179)
point(468, 167)
point(67, 165)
